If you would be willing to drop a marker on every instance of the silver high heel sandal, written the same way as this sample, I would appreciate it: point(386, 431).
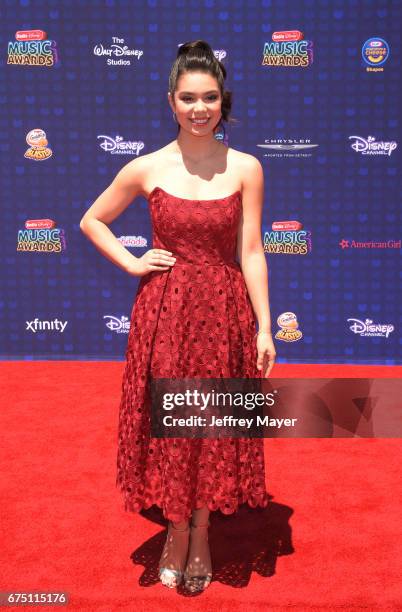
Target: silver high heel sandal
point(198, 583)
point(171, 577)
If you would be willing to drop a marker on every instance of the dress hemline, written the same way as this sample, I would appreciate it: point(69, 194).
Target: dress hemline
point(136, 508)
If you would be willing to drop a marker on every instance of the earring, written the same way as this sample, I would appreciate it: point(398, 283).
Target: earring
point(174, 117)
point(219, 131)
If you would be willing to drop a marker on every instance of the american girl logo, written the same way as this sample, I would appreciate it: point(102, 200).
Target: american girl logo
point(288, 49)
point(32, 48)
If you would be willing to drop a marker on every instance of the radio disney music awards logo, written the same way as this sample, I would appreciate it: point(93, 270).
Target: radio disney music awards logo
point(118, 146)
point(119, 325)
point(133, 241)
point(38, 145)
point(371, 146)
point(32, 48)
point(288, 48)
point(118, 48)
point(369, 328)
point(375, 52)
point(290, 147)
point(355, 244)
point(287, 238)
point(36, 325)
point(41, 236)
point(289, 331)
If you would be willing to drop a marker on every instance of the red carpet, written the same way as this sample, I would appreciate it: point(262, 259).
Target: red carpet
point(330, 539)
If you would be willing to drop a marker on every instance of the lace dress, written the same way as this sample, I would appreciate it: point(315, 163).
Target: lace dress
point(193, 320)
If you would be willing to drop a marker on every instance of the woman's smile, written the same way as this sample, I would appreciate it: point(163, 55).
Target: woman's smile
point(200, 121)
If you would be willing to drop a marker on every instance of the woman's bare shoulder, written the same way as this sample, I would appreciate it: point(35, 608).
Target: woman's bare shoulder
point(246, 165)
point(137, 171)
point(243, 158)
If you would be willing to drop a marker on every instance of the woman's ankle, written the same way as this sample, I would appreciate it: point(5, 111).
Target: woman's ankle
point(180, 525)
point(200, 517)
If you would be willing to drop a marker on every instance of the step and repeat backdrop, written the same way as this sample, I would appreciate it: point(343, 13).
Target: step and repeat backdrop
point(316, 97)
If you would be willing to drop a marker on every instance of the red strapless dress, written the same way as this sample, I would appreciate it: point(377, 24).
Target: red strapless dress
point(193, 320)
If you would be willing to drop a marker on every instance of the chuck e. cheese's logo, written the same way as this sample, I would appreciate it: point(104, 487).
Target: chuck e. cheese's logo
point(41, 236)
point(38, 145)
point(288, 48)
point(289, 331)
point(32, 48)
point(287, 238)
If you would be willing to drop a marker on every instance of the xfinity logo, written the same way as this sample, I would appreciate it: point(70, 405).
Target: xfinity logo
point(40, 326)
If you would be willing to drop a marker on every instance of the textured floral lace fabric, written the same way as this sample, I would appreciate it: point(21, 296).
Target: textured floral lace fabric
point(194, 320)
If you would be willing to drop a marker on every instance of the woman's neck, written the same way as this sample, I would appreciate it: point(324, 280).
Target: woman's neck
point(196, 148)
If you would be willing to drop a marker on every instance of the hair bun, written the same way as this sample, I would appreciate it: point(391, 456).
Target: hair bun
point(191, 48)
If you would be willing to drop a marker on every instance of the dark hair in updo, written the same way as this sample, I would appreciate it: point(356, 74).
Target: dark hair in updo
point(199, 56)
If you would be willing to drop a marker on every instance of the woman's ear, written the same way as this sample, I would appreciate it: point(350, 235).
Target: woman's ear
point(170, 100)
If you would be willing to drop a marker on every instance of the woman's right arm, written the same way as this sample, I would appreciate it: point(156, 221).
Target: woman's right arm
point(126, 186)
point(106, 208)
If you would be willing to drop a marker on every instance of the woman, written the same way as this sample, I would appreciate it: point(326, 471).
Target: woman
point(194, 314)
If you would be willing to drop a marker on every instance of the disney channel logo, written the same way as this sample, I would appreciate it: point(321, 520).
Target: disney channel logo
point(369, 328)
point(119, 325)
point(118, 146)
point(370, 146)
